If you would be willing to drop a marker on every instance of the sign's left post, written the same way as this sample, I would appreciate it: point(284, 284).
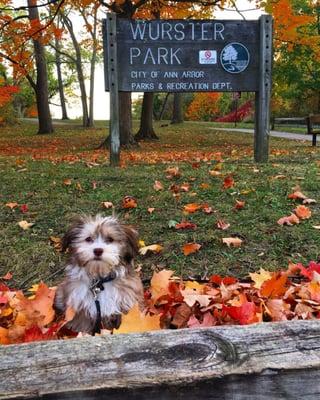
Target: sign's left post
point(112, 70)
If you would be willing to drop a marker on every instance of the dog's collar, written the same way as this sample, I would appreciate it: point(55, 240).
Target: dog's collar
point(97, 284)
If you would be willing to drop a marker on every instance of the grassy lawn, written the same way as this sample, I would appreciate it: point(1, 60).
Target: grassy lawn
point(60, 175)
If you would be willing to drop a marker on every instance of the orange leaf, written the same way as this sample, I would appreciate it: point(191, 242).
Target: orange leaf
point(303, 212)
point(12, 205)
point(274, 287)
point(190, 248)
point(290, 220)
point(136, 321)
point(67, 182)
point(297, 195)
point(155, 248)
point(129, 202)
point(314, 289)
point(192, 207)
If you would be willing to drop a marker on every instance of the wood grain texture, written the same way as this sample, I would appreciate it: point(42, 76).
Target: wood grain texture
point(230, 354)
point(263, 96)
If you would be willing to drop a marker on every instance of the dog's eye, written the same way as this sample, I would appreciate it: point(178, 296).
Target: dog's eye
point(109, 239)
point(89, 239)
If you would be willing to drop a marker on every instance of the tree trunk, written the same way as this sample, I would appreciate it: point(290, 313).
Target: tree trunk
point(146, 131)
point(92, 69)
point(83, 92)
point(177, 114)
point(41, 89)
point(60, 81)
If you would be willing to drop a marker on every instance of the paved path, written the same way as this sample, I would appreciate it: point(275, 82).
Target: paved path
point(284, 135)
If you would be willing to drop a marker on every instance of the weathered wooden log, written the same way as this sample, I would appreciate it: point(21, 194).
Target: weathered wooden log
point(261, 361)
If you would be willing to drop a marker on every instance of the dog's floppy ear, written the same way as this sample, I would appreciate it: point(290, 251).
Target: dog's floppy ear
point(132, 248)
point(72, 232)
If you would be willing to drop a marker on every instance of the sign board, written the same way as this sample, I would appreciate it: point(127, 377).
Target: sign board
point(187, 55)
point(192, 56)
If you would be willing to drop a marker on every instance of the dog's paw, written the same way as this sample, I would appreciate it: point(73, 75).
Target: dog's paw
point(112, 322)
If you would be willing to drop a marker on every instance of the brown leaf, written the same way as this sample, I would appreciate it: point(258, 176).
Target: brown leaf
point(12, 205)
point(181, 316)
point(290, 220)
point(129, 202)
point(25, 225)
point(221, 224)
point(157, 185)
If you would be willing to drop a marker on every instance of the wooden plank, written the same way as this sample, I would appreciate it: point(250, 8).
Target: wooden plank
point(235, 355)
point(112, 57)
point(262, 97)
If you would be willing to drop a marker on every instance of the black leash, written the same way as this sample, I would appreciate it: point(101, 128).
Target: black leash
point(96, 288)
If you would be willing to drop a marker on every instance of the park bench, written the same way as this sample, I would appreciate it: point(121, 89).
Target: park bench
point(312, 120)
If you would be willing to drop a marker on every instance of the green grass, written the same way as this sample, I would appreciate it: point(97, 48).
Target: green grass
point(40, 184)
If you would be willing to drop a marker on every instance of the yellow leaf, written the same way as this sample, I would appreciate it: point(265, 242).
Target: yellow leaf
point(25, 225)
point(260, 277)
point(136, 321)
point(155, 248)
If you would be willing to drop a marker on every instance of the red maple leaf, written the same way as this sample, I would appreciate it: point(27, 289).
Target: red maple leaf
point(245, 314)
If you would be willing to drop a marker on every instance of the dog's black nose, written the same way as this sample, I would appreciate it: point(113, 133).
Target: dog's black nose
point(98, 252)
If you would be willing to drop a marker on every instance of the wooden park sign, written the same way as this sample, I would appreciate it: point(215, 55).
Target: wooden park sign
point(189, 56)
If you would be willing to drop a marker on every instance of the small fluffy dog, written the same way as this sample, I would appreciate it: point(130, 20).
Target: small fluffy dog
point(100, 281)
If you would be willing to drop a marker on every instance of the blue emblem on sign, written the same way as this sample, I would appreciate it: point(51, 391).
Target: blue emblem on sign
point(234, 58)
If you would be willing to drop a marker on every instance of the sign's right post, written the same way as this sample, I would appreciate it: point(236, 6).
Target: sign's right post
point(262, 97)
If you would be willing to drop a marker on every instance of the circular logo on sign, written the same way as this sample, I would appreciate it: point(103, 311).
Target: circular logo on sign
point(234, 58)
point(207, 54)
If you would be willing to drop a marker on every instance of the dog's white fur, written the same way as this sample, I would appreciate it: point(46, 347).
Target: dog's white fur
point(99, 246)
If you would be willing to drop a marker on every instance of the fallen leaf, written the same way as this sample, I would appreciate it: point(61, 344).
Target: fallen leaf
point(207, 209)
point(107, 204)
point(274, 287)
point(228, 182)
point(192, 207)
point(24, 208)
point(232, 241)
point(12, 205)
point(303, 212)
point(67, 182)
point(221, 224)
point(173, 172)
point(290, 220)
point(7, 276)
point(159, 284)
point(150, 210)
point(137, 321)
point(239, 204)
point(182, 316)
point(278, 309)
point(25, 225)
point(129, 202)
point(316, 226)
point(208, 320)
point(245, 314)
point(260, 277)
point(212, 172)
point(297, 195)
point(185, 225)
point(154, 248)
point(57, 242)
point(314, 289)
point(157, 185)
point(190, 248)
point(309, 201)
point(185, 187)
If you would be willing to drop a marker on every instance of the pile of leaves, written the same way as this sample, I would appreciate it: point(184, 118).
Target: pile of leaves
point(289, 294)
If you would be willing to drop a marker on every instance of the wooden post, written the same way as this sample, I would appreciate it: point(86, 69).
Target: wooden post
point(111, 44)
point(262, 97)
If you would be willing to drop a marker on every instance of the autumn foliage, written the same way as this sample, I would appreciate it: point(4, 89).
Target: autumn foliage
point(204, 106)
point(290, 294)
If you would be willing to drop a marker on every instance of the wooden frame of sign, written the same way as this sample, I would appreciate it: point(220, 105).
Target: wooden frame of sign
point(189, 56)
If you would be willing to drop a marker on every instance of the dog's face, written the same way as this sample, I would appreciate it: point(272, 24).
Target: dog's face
point(101, 244)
